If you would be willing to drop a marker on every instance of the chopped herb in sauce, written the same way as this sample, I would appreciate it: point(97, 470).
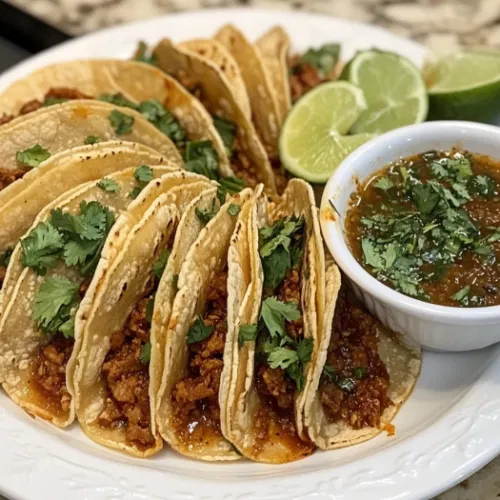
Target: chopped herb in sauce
point(428, 226)
point(145, 353)
point(233, 209)
point(247, 333)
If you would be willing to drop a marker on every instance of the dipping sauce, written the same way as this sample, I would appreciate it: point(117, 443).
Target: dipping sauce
point(428, 226)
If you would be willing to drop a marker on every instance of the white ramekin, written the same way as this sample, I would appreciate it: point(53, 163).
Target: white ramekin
point(432, 326)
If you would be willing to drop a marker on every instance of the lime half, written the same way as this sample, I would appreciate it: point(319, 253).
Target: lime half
point(394, 90)
point(465, 86)
point(312, 141)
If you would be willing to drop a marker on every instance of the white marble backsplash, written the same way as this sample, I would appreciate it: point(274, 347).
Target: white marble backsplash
point(441, 25)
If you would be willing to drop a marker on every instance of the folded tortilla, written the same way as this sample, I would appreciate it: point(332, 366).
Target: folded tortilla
point(263, 99)
point(273, 48)
point(188, 412)
point(401, 361)
point(134, 80)
point(255, 427)
point(196, 71)
point(29, 357)
point(114, 391)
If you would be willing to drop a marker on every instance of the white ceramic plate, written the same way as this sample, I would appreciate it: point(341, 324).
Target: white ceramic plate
point(446, 431)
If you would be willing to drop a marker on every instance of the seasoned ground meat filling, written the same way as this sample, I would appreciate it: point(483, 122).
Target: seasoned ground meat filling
point(49, 376)
point(195, 398)
point(356, 391)
point(303, 77)
point(8, 176)
point(127, 377)
point(35, 104)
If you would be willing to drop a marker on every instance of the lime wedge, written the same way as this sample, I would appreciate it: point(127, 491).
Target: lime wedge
point(393, 88)
point(465, 86)
point(312, 141)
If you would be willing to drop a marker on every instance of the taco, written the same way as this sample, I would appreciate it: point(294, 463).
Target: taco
point(115, 382)
point(188, 412)
point(273, 48)
point(263, 99)
point(363, 374)
point(202, 76)
point(274, 341)
point(21, 201)
point(57, 266)
point(29, 140)
point(142, 87)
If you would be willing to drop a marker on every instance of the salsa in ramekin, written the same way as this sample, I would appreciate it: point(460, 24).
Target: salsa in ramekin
point(428, 226)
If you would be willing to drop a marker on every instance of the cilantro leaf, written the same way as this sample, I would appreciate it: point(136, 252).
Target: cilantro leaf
point(329, 373)
point(136, 191)
point(5, 257)
point(42, 248)
point(461, 294)
point(121, 122)
point(278, 243)
point(232, 185)
point(68, 328)
point(304, 350)
point(54, 304)
point(208, 214)
point(161, 263)
point(274, 314)
point(424, 197)
point(282, 357)
point(221, 194)
point(484, 185)
point(323, 59)
point(142, 55)
point(347, 384)
point(32, 157)
point(201, 158)
point(199, 331)
point(91, 139)
point(384, 183)
point(371, 254)
point(227, 131)
point(145, 353)
point(247, 333)
point(118, 100)
point(233, 209)
point(144, 174)
point(109, 185)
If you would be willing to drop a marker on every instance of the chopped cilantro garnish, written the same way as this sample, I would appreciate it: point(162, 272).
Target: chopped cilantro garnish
point(118, 100)
point(207, 214)
point(247, 333)
point(201, 158)
point(227, 131)
point(91, 139)
point(323, 59)
point(42, 248)
point(143, 174)
point(233, 209)
point(199, 331)
point(384, 183)
point(163, 120)
point(50, 101)
point(121, 122)
point(109, 185)
point(32, 157)
point(5, 257)
point(145, 353)
point(280, 248)
point(462, 294)
point(232, 185)
point(149, 309)
point(142, 54)
point(346, 384)
point(359, 372)
point(329, 373)
point(136, 191)
point(161, 263)
point(274, 314)
point(55, 306)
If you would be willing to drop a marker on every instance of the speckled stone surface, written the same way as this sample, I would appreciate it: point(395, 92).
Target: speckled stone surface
point(441, 25)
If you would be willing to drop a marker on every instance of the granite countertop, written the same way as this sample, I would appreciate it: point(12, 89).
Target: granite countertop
point(441, 25)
